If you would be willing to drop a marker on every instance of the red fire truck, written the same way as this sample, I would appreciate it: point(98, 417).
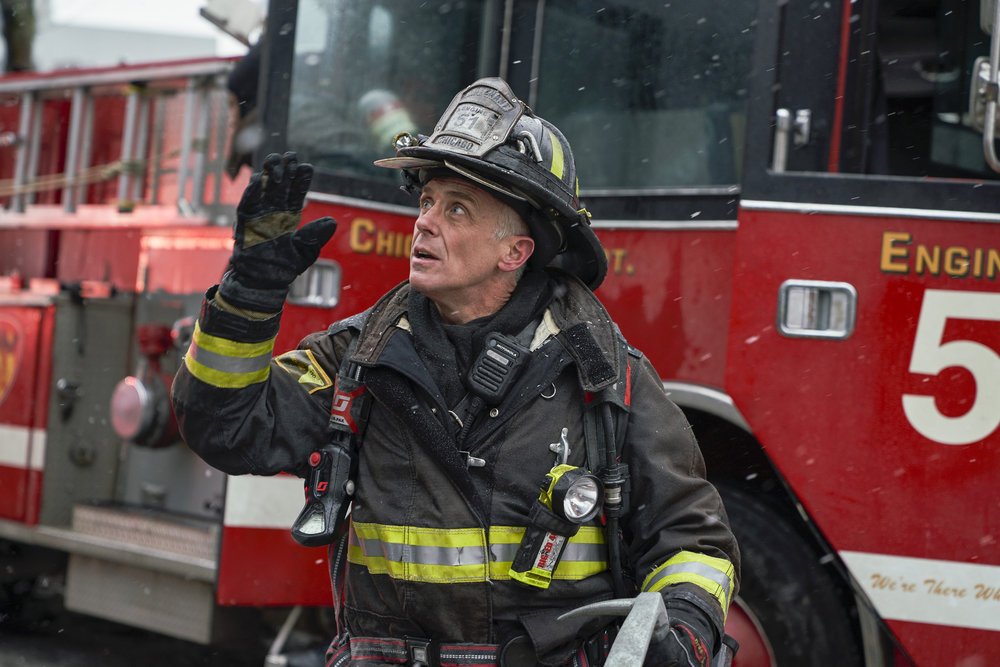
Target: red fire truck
point(800, 207)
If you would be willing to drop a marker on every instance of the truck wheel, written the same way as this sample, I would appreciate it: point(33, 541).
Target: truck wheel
point(791, 609)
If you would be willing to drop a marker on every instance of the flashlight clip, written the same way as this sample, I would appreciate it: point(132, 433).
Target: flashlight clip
point(561, 449)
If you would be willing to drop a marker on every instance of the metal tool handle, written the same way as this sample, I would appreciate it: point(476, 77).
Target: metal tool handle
point(645, 619)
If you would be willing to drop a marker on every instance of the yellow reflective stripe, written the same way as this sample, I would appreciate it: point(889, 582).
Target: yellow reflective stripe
point(224, 379)
point(411, 553)
point(584, 555)
point(461, 555)
point(226, 363)
point(229, 348)
point(558, 161)
point(715, 575)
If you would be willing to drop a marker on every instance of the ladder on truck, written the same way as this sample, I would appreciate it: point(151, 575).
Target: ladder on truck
point(172, 136)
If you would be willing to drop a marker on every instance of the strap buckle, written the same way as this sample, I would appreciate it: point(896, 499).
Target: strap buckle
point(421, 652)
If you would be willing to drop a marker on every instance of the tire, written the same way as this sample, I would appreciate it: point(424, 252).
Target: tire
point(30, 585)
point(802, 611)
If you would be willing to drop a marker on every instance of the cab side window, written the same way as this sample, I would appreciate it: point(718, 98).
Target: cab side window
point(917, 62)
point(364, 72)
point(650, 95)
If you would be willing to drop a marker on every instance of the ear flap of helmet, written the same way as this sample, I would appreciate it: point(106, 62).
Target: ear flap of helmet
point(584, 256)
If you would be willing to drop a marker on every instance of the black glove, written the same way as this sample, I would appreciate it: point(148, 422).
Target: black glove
point(268, 252)
point(690, 641)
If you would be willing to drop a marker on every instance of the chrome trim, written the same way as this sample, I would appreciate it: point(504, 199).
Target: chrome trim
point(536, 54)
point(508, 20)
point(669, 225)
point(74, 542)
point(318, 286)
point(825, 285)
point(678, 191)
point(882, 211)
point(706, 399)
point(363, 203)
point(782, 132)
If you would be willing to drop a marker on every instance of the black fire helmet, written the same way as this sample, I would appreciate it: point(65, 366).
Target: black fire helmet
point(489, 136)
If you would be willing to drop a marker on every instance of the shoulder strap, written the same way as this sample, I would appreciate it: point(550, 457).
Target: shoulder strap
point(605, 421)
point(351, 405)
point(619, 397)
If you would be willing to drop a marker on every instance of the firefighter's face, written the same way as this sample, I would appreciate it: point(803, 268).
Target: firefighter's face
point(462, 245)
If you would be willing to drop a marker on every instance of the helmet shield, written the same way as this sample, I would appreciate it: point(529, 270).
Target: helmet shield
point(478, 120)
point(489, 136)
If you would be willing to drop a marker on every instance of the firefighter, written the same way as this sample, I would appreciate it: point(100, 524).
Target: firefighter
point(506, 421)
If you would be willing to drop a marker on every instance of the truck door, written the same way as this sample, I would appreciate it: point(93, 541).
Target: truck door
point(864, 347)
point(25, 334)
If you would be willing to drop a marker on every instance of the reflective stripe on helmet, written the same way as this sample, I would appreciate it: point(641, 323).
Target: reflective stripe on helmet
point(226, 363)
point(462, 555)
point(715, 575)
point(558, 164)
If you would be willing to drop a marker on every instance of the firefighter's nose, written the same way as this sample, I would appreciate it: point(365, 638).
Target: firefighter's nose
point(426, 222)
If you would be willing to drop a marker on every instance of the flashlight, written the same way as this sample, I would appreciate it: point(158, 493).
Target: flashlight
point(570, 496)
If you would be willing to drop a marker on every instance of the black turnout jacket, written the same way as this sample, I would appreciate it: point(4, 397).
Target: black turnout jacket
point(431, 537)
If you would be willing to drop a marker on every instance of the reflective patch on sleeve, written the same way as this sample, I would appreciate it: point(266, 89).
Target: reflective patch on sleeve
point(227, 363)
point(715, 575)
point(302, 365)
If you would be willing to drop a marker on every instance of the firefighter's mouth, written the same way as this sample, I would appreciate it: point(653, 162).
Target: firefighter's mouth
point(421, 254)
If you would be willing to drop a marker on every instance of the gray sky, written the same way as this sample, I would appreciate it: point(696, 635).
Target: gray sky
point(179, 17)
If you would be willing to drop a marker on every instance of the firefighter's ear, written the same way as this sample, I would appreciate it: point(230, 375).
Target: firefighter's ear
point(517, 251)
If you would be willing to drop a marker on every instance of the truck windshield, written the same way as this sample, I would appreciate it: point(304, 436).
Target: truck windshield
point(365, 71)
point(650, 95)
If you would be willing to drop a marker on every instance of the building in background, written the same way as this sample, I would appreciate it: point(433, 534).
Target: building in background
point(96, 33)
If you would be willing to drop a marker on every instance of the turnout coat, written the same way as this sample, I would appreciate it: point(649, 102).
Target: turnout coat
point(431, 538)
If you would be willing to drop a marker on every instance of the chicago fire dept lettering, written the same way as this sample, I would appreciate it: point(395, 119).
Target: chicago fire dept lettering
point(900, 254)
point(367, 238)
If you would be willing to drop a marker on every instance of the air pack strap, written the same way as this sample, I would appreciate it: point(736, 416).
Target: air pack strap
point(619, 397)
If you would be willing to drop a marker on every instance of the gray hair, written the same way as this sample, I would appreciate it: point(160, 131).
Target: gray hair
point(510, 223)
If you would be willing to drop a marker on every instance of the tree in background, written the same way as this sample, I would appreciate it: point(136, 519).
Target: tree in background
point(18, 33)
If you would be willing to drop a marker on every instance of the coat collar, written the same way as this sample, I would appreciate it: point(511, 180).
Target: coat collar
point(575, 317)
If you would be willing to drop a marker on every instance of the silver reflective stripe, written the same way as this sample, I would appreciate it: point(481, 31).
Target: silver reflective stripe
point(441, 555)
point(409, 553)
point(582, 552)
point(504, 553)
point(466, 555)
point(700, 569)
point(228, 364)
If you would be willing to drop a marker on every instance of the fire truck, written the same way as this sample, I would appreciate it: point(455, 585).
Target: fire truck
point(799, 202)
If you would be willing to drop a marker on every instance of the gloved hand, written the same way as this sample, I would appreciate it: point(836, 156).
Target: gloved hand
point(690, 641)
point(268, 251)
